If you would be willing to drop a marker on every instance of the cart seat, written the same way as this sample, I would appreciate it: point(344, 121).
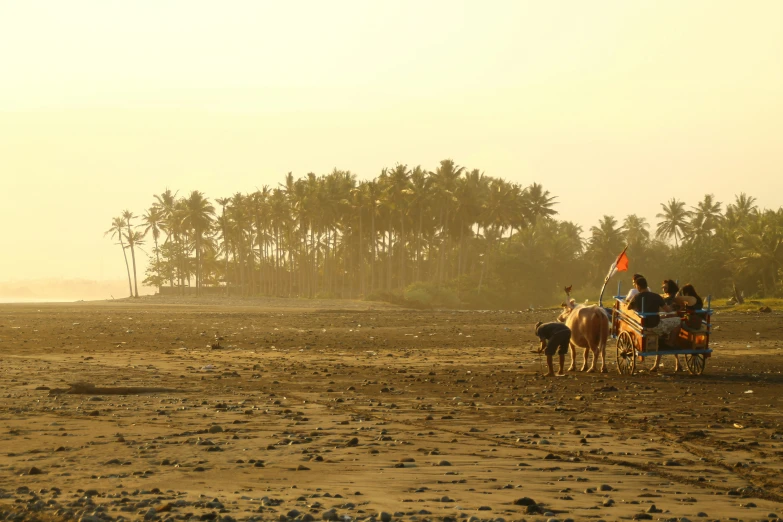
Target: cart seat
point(700, 329)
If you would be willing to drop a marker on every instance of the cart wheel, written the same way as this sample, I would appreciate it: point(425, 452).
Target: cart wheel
point(626, 358)
point(695, 363)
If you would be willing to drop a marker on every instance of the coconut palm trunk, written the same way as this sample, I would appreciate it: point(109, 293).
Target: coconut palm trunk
point(461, 248)
point(127, 268)
point(418, 247)
point(135, 282)
point(361, 256)
point(389, 259)
point(128, 216)
point(372, 261)
point(401, 243)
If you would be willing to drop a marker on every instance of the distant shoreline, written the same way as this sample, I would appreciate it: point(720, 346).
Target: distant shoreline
point(256, 303)
point(32, 300)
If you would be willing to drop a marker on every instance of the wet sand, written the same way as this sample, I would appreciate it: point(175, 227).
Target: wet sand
point(317, 410)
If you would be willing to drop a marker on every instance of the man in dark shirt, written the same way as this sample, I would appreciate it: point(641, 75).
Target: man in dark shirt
point(555, 337)
point(647, 302)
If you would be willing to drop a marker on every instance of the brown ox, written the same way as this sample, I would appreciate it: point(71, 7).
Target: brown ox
point(589, 330)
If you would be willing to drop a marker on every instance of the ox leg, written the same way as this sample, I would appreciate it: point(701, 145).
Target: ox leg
point(603, 359)
point(594, 351)
point(656, 363)
point(585, 355)
point(572, 350)
point(677, 366)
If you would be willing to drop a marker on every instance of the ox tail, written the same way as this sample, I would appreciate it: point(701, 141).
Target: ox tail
point(604, 334)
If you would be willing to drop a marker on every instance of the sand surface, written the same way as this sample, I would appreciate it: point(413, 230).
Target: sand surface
point(313, 410)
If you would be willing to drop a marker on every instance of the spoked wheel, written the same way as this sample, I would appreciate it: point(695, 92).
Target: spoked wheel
point(695, 363)
point(626, 358)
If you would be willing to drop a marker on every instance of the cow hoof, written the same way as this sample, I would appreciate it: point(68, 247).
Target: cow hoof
point(591, 370)
point(571, 368)
point(604, 370)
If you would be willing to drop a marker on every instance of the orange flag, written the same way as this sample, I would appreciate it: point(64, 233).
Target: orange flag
point(620, 264)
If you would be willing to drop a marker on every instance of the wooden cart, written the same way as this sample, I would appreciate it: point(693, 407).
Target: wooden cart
point(635, 342)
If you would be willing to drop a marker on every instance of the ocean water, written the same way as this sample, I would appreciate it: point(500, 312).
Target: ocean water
point(6, 300)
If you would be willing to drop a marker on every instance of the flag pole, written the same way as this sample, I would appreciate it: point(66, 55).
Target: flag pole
point(606, 280)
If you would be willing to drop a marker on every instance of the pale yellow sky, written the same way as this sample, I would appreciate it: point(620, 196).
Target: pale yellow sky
point(103, 104)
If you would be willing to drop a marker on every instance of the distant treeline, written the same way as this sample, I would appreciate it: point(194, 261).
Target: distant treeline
point(448, 237)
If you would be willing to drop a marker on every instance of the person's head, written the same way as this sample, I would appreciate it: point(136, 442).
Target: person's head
point(636, 276)
point(537, 326)
point(670, 287)
point(689, 290)
point(640, 283)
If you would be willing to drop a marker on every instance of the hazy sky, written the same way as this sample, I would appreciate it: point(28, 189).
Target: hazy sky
point(614, 106)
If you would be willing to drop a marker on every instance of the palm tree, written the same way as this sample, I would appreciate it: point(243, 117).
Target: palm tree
point(181, 234)
point(199, 212)
point(398, 192)
point(606, 241)
point(499, 210)
point(152, 221)
point(128, 216)
point(635, 230)
point(238, 221)
point(444, 184)
point(538, 202)
point(358, 203)
point(571, 234)
point(745, 205)
point(705, 217)
point(674, 221)
point(420, 196)
point(166, 201)
point(759, 249)
point(738, 213)
point(280, 218)
point(117, 230)
point(223, 223)
point(469, 195)
point(372, 196)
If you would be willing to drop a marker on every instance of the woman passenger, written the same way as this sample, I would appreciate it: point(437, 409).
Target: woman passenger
point(669, 295)
point(669, 334)
point(693, 304)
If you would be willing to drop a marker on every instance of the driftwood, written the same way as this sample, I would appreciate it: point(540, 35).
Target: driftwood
point(85, 388)
point(737, 295)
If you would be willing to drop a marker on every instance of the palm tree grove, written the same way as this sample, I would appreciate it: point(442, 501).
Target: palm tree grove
point(450, 237)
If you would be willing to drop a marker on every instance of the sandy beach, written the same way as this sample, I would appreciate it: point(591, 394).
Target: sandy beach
point(179, 409)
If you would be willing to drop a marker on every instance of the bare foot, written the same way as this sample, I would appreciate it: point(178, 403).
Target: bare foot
point(560, 374)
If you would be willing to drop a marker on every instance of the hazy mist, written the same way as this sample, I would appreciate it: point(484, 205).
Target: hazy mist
point(614, 107)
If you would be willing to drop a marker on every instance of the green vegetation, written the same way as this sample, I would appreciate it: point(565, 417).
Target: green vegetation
point(443, 238)
point(750, 305)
